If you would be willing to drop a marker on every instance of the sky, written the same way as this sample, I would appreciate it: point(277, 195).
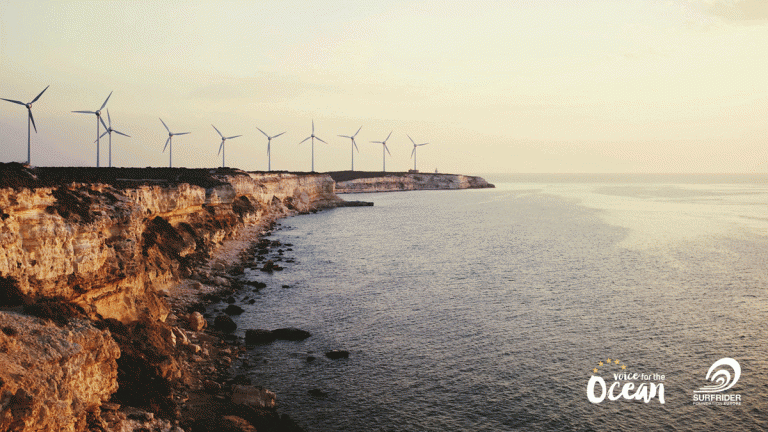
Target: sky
point(519, 86)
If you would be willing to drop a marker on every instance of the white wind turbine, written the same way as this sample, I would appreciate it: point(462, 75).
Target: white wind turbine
point(109, 131)
point(413, 153)
point(170, 141)
point(29, 119)
point(313, 137)
point(269, 142)
point(221, 147)
point(384, 156)
point(354, 145)
point(98, 120)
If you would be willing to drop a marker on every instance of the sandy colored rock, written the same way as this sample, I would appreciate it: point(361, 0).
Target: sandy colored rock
point(52, 377)
point(253, 396)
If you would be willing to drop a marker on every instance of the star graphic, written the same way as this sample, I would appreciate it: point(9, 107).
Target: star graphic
point(600, 364)
point(608, 361)
point(623, 367)
point(617, 362)
point(594, 370)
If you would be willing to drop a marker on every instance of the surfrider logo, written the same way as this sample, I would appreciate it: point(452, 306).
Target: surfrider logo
point(719, 374)
point(626, 384)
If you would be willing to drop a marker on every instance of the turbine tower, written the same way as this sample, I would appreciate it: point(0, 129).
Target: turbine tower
point(354, 145)
point(109, 131)
point(98, 120)
point(221, 147)
point(29, 119)
point(269, 142)
point(384, 156)
point(170, 141)
point(413, 153)
point(313, 137)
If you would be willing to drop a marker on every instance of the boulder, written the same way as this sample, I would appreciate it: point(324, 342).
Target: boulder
point(224, 323)
point(258, 337)
point(196, 321)
point(253, 396)
point(337, 354)
point(291, 334)
point(234, 310)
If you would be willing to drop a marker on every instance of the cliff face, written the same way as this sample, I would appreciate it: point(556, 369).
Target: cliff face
point(405, 182)
point(111, 250)
point(106, 250)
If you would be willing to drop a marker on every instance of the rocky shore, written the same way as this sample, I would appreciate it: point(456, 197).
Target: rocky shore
point(365, 182)
point(105, 280)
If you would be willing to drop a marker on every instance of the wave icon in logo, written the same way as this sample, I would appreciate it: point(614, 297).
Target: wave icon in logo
point(720, 375)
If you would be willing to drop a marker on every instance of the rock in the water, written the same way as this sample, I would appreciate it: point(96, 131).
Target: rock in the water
point(337, 354)
point(291, 334)
point(317, 393)
point(258, 337)
point(253, 396)
point(233, 310)
point(196, 321)
point(269, 266)
point(224, 324)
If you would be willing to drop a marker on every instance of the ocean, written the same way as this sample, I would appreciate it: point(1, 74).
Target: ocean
point(510, 308)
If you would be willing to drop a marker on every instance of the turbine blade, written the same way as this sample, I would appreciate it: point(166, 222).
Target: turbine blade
point(38, 96)
point(320, 139)
point(14, 101)
point(358, 131)
point(102, 136)
point(102, 123)
point(166, 126)
point(344, 136)
point(313, 126)
point(409, 137)
point(390, 134)
point(85, 112)
point(109, 118)
point(414, 151)
point(305, 139)
point(105, 102)
point(355, 144)
point(423, 144)
point(267, 148)
point(377, 142)
point(218, 131)
point(387, 149)
point(33, 120)
point(183, 133)
point(234, 136)
point(120, 133)
point(265, 134)
point(279, 134)
point(166, 143)
point(221, 147)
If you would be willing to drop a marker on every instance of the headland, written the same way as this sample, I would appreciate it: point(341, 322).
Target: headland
point(105, 275)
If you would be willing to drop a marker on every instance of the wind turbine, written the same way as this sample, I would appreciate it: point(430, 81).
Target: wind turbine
point(413, 153)
point(170, 141)
point(221, 147)
point(313, 144)
point(354, 145)
point(98, 119)
point(109, 131)
point(269, 142)
point(384, 156)
point(29, 119)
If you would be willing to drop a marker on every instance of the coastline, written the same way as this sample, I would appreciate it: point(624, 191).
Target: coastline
point(135, 257)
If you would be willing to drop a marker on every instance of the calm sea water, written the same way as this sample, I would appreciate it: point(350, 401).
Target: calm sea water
point(489, 310)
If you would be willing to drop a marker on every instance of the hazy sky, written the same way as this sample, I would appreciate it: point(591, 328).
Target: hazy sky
point(507, 86)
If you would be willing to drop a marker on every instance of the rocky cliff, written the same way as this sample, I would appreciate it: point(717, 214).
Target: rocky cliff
point(347, 182)
point(102, 245)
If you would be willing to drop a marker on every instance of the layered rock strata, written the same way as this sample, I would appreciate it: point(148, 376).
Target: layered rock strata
point(95, 251)
point(410, 181)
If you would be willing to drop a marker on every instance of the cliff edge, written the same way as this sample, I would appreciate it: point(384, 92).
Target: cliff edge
point(363, 182)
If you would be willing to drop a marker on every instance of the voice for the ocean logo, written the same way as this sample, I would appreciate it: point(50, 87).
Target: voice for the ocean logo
point(720, 375)
point(626, 385)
